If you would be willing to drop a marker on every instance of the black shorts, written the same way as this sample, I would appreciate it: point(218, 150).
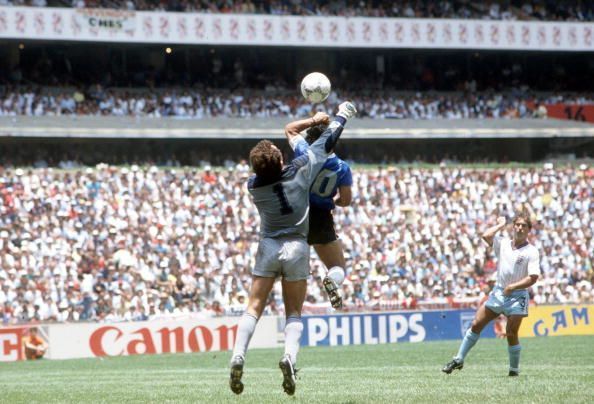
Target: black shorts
point(321, 226)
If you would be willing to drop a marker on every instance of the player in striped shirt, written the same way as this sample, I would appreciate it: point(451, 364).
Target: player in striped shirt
point(518, 268)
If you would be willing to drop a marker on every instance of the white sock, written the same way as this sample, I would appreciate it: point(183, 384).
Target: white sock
point(337, 275)
point(245, 330)
point(293, 331)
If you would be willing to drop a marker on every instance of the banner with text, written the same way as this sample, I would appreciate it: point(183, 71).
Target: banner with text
point(380, 328)
point(70, 24)
point(104, 20)
point(543, 321)
point(87, 340)
point(154, 337)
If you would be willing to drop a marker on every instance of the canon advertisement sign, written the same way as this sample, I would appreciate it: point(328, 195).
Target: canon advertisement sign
point(68, 341)
point(113, 341)
point(155, 337)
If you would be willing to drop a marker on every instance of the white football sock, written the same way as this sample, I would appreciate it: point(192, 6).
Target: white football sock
point(245, 330)
point(293, 331)
point(336, 274)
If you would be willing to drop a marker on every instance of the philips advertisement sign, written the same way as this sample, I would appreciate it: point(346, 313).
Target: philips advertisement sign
point(361, 328)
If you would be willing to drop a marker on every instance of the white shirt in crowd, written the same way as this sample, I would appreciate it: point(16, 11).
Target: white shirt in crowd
point(514, 265)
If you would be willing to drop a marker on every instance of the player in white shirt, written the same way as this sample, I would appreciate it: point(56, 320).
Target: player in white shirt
point(517, 269)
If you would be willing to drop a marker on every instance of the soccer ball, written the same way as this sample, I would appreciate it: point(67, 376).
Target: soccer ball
point(315, 87)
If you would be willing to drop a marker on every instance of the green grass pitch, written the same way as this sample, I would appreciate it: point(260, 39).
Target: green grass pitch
point(557, 369)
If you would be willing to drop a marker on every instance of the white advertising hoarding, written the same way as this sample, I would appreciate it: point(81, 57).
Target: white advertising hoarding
point(155, 337)
point(88, 340)
point(268, 30)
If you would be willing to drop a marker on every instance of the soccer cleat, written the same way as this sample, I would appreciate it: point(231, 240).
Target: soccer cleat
point(286, 366)
point(235, 376)
point(513, 373)
point(333, 292)
point(452, 365)
point(347, 110)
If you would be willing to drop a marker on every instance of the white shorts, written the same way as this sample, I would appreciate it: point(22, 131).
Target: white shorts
point(286, 257)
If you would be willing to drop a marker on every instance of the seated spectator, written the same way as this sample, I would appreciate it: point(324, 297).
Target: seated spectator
point(34, 345)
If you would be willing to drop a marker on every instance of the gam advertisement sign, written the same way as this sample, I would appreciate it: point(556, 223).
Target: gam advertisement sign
point(549, 321)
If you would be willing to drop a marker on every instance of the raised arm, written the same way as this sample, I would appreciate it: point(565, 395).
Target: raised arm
point(293, 129)
point(327, 140)
point(320, 149)
point(489, 234)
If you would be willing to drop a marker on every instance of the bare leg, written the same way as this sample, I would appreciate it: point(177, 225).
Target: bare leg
point(259, 292)
point(512, 329)
point(331, 254)
point(482, 317)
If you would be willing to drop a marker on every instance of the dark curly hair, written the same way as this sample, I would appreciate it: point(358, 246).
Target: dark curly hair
point(266, 160)
point(313, 133)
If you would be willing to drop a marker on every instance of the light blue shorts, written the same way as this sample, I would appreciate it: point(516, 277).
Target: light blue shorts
point(515, 304)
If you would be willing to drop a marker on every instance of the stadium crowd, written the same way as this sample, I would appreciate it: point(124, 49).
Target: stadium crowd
point(493, 10)
point(111, 243)
point(214, 103)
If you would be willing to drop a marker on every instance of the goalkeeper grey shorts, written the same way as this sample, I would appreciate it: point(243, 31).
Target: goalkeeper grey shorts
point(284, 257)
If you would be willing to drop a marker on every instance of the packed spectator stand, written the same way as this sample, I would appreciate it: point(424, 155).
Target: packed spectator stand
point(206, 103)
point(114, 243)
point(493, 10)
point(110, 243)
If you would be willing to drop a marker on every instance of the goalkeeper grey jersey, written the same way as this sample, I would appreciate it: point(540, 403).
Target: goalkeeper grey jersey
point(283, 205)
